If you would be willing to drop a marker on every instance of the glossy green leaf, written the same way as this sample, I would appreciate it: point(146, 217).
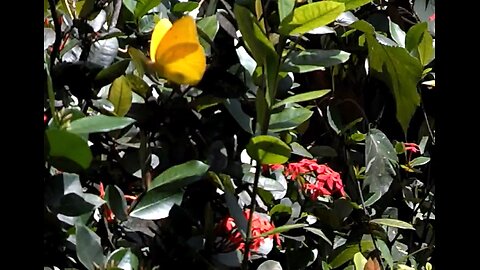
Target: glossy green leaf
point(99, 123)
point(289, 118)
point(270, 265)
point(74, 204)
point(345, 253)
point(182, 7)
point(311, 16)
point(319, 233)
point(382, 246)
point(156, 204)
point(253, 35)
point(298, 149)
point(130, 5)
point(280, 208)
point(414, 36)
point(353, 4)
point(89, 248)
point(285, 8)
point(138, 85)
point(425, 48)
point(419, 161)
point(267, 149)
point(121, 96)
point(209, 27)
point(393, 223)
point(180, 176)
point(108, 75)
point(140, 61)
point(67, 151)
point(284, 228)
point(116, 201)
point(235, 109)
point(359, 261)
point(302, 97)
point(144, 6)
point(401, 72)
point(397, 33)
point(236, 212)
point(87, 10)
point(123, 258)
point(380, 159)
point(363, 26)
point(313, 59)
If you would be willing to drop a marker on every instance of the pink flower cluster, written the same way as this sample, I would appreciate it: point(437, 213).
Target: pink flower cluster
point(327, 181)
point(260, 225)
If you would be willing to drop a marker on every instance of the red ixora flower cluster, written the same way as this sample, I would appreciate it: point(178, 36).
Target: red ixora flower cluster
point(327, 181)
point(228, 229)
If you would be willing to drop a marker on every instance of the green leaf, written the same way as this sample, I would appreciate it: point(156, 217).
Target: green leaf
point(74, 204)
point(99, 123)
point(313, 59)
point(179, 176)
point(144, 6)
point(380, 158)
point(385, 252)
point(270, 265)
point(319, 233)
point(282, 229)
point(87, 10)
point(397, 33)
point(311, 16)
point(130, 5)
point(182, 7)
point(121, 96)
point(419, 161)
point(289, 118)
point(236, 212)
point(285, 8)
point(414, 36)
point(123, 258)
point(253, 35)
point(235, 109)
point(359, 261)
point(346, 252)
point(138, 85)
point(353, 4)
point(401, 72)
point(116, 202)
point(280, 208)
point(302, 97)
point(363, 26)
point(66, 151)
point(156, 204)
point(298, 149)
point(209, 26)
point(393, 223)
point(140, 61)
point(425, 48)
point(108, 75)
point(89, 249)
point(267, 149)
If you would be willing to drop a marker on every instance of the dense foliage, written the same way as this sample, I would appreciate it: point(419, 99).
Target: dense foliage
point(226, 134)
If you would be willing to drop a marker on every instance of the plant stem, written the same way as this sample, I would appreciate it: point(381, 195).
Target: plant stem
point(248, 240)
point(58, 33)
point(144, 160)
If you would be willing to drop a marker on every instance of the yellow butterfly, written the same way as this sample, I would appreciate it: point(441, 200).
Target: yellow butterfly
point(176, 51)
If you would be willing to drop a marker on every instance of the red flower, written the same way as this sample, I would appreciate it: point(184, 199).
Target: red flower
point(45, 118)
point(327, 183)
point(412, 147)
point(432, 18)
point(228, 229)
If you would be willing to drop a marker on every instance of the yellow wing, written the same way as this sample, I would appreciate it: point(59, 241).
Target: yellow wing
point(180, 57)
point(161, 28)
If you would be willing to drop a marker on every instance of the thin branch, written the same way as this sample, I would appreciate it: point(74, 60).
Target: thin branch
point(117, 6)
point(58, 33)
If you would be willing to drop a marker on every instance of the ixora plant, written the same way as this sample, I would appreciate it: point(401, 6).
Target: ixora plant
point(239, 134)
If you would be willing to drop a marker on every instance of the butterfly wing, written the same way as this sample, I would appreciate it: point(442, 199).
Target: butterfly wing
point(180, 57)
point(161, 28)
